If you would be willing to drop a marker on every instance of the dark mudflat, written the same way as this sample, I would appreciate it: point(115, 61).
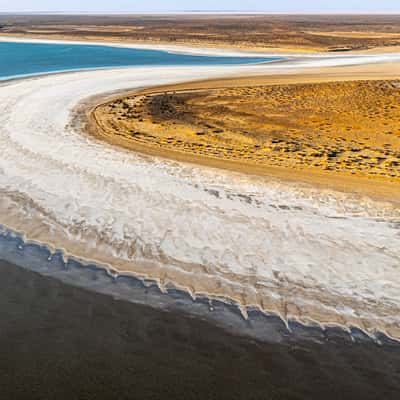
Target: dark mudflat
point(61, 342)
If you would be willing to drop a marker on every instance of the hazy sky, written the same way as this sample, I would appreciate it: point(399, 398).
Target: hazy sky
point(99, 6)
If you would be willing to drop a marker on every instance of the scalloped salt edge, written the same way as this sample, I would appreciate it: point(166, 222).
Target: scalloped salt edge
point(306, 322)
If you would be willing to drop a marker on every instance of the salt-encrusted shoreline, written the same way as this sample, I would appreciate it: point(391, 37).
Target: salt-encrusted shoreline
point(290, 250)
point(249, 321)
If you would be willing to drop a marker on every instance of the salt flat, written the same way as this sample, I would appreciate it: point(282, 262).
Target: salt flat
point(302, 252)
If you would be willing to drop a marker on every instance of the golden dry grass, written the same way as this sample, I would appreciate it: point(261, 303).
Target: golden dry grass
point(333, 129)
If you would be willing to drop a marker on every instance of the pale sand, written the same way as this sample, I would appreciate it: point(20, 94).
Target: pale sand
point(304, 253)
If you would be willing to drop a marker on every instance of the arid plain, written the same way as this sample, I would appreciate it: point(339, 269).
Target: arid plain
point(299, 33)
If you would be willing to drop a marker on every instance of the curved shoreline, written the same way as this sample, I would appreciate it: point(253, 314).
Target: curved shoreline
point(97, 201)
point(175, 49)
point(349, 58)
point(112, 62)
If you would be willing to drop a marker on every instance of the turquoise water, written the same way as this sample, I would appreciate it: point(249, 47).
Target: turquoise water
point(21, 59)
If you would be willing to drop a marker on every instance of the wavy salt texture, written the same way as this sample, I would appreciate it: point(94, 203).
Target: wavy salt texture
point(303, 253)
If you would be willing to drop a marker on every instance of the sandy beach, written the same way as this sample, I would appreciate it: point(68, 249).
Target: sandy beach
point(308, 253)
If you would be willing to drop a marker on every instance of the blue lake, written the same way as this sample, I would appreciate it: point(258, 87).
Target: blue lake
point(21, 59)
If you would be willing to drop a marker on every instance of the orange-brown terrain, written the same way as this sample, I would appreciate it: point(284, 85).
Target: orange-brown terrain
point(307, 33)
point(325, 130)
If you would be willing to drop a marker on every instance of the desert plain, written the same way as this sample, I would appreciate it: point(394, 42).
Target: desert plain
point(281, 33)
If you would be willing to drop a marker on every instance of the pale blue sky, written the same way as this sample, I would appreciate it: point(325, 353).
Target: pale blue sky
point(124, 6)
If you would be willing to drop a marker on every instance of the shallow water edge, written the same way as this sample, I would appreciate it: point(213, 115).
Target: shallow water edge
point(223, 313)
point(61, 341)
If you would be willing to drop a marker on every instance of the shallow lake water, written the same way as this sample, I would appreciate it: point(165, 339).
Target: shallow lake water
point(22, 59)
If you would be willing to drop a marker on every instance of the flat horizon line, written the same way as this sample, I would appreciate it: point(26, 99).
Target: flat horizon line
point(194, 12)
